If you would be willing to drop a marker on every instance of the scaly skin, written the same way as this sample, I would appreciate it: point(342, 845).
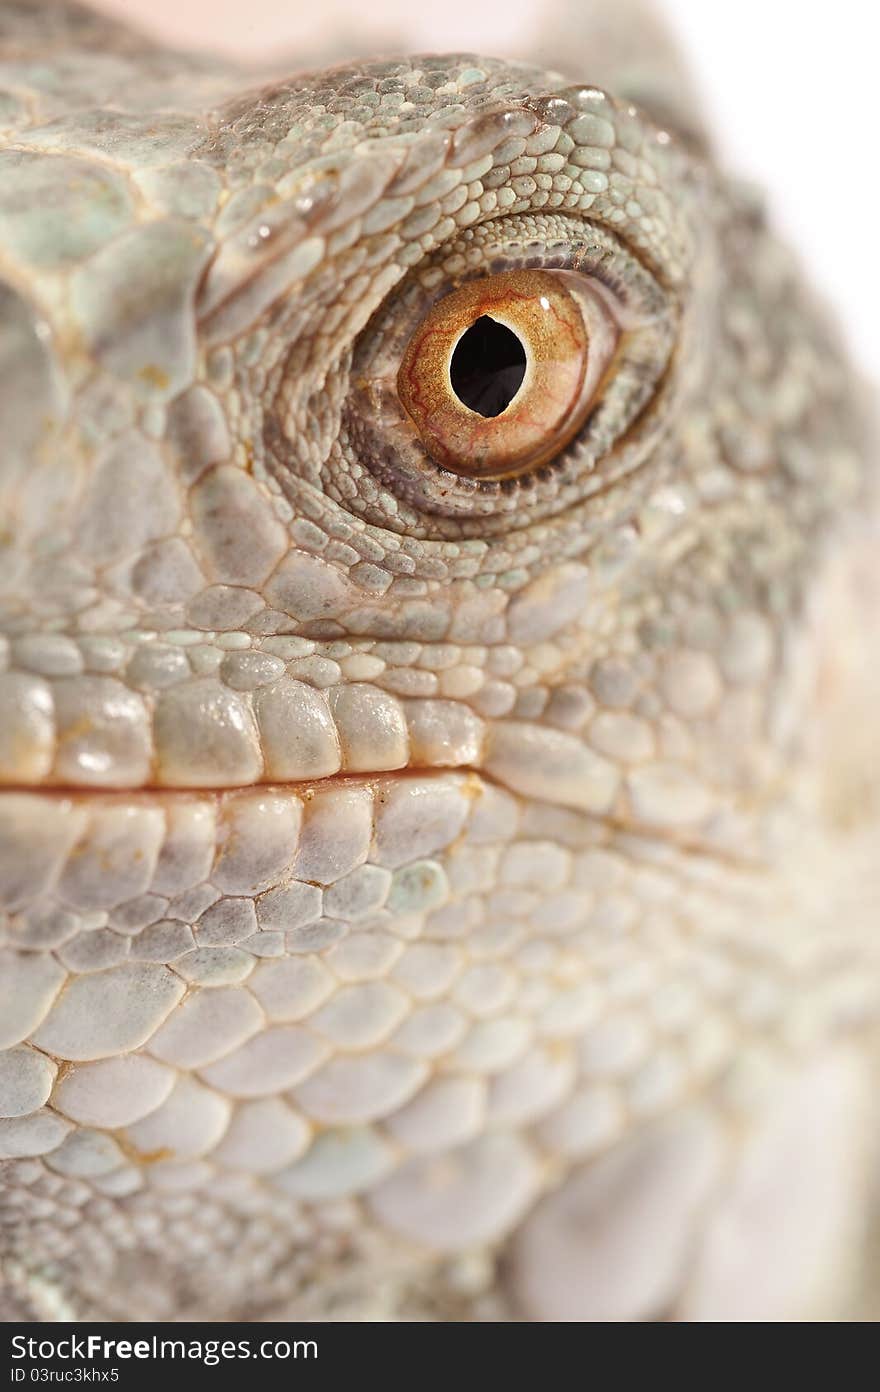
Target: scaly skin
point(420, 900)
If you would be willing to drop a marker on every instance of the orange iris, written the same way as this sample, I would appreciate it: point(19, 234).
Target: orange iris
point(502, 372)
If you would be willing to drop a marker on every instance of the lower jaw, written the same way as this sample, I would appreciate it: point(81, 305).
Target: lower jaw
point(101, 877)
point(122, 859)
point(119, 906)
point(498, 944)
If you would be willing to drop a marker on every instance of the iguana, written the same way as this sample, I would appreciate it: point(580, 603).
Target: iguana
point(438, 588)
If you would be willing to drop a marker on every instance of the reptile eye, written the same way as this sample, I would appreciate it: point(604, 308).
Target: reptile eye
point(501, 373)
point(511, 373)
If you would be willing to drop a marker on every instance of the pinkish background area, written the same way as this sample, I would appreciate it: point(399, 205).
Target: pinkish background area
point(789, 86)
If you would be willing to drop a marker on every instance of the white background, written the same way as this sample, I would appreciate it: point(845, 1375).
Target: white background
point(791, 88)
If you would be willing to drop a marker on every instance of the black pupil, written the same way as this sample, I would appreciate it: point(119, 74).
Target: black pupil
point(487, 367)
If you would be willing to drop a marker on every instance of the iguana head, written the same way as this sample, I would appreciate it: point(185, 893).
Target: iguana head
point(238, 466)
point(432, 555)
